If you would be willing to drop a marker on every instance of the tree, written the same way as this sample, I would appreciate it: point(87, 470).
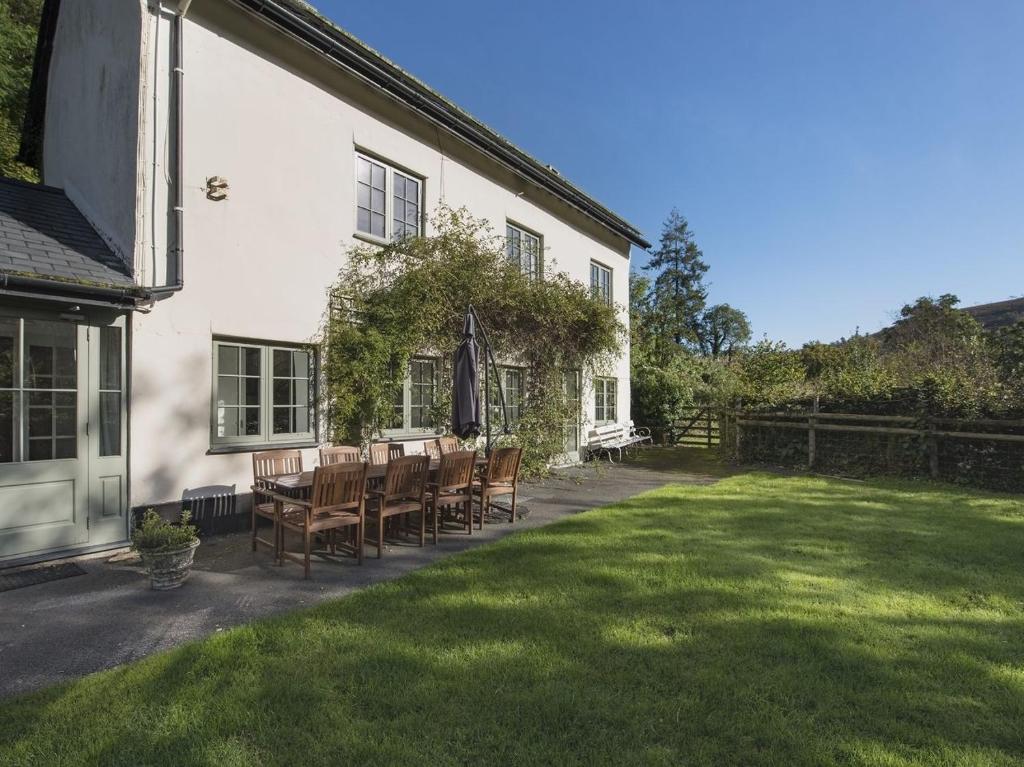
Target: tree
point(722, 329)
point(19, 23)
point(679, 292)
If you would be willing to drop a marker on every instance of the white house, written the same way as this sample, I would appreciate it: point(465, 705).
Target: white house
point(206, 165)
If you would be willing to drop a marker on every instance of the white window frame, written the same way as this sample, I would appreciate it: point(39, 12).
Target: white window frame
point(601, 412)
point(407, 429)
point(389, 193)
point(266, 437)
point(524, 235)
point(515, 409)
point(596, 288)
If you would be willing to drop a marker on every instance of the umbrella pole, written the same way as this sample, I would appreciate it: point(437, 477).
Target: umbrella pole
point(487, 400)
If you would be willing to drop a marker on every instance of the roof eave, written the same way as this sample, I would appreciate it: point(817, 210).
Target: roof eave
point(372, 68)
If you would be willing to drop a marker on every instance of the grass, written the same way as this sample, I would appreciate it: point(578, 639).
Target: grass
point(761, 620)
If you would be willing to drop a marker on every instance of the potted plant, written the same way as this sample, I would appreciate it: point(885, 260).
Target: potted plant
point(166, 549)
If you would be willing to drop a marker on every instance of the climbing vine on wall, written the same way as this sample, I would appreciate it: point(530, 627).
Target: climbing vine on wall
point(393, 302)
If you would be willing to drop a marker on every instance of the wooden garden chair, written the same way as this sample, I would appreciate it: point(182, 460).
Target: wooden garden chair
point(338, 454)
point(500, 477)
point(448, 444)
point(384, 452)
point(432, 449)
point(265, 465)
point(337, 501)
point(453, 488)
point(403, 493)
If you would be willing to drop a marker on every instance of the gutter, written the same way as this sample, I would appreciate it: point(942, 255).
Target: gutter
point(176, 115)
point(35, 287)
point(373, 70)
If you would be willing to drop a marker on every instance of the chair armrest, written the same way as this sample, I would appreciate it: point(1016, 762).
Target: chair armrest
point(378, 493)
point(290, 501)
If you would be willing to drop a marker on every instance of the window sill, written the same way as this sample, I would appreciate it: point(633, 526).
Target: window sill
point(255, 448)
point(382, 241)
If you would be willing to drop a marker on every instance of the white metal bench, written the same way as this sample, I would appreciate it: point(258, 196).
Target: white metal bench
point(615, 437)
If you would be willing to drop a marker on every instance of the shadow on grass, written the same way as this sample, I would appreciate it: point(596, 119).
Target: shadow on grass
point(759, 620)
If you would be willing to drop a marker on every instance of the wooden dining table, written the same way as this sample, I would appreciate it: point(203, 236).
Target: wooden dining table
point(291, 484)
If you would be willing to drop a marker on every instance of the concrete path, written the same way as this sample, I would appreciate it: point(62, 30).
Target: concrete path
point(53, 632)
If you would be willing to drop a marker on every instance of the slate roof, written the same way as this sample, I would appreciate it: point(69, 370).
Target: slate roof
point(43, 235)
point(1000, 314)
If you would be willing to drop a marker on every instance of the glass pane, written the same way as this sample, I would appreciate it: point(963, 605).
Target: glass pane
point(363, 170)
point(412, 190)
point(301, 419)
point(40, 421)
point(301, 392)
point(399, 186)
point(300, 362)
point(7, 435)
point(66, 448)
point(227, 390)
point(252, 421)
point(110, 359)
point(252, 391)
point(8, 353)
point(227, 360)
point(377, 200)
point(282, 363)
point(363, 220)
point(110, 423)
point(282, 420)
point(376, 176)
point(377, 225)
point(64, 422)
point(251, 357)
point(40, 450)
point(227, 422)
point(282, 391)
point(362, 196)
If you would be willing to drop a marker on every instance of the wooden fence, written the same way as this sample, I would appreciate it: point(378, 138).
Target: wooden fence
point(699, 428)
point(946, 448)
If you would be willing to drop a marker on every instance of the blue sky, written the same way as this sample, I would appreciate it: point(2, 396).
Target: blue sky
point(835, 159)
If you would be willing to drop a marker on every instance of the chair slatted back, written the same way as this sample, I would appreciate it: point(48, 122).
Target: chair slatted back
point(385, 452)
point(406, 477)
point(455, 472)
point(448, 444)
point(339, 486)
point(503, 466)
point(338, 454)
point(269, 463)
point(432, 449)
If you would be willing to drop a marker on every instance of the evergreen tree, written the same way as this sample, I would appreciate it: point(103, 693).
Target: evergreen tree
point(679, 294)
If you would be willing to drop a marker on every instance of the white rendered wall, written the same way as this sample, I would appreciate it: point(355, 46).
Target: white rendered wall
point(282, 127)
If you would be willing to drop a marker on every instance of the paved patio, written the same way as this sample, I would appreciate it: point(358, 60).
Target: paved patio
point(53, 632)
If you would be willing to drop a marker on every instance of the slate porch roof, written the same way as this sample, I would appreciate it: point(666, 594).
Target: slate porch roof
point(43, 235)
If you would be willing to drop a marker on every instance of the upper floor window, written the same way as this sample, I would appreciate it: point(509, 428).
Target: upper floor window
point(601, 282)
point(262, 393)
point(524, 248)
point(388, 201)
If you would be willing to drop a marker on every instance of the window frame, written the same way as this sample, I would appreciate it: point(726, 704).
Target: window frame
point(607, 297)
point(390, 169)
point(515, 409)
point(266, 437)
point(538, 272)
point(600, 416)
point(407, 429)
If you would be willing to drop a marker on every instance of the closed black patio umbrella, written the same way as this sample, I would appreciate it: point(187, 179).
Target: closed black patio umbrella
point(465, 390)
point(466, 419)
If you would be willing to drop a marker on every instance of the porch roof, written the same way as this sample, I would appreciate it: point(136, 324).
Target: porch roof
point(43, 236)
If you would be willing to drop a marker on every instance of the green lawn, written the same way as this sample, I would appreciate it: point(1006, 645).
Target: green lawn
point(762, 620)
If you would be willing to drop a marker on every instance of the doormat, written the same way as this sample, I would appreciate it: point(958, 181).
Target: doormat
point(39, 575)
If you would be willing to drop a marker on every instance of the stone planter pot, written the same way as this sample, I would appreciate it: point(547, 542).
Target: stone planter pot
point(169, 569)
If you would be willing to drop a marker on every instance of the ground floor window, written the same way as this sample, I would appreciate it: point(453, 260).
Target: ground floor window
point(605, 400)
point(262, 393)
point(571, 388)
point(513, 382)
point(413, 404)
